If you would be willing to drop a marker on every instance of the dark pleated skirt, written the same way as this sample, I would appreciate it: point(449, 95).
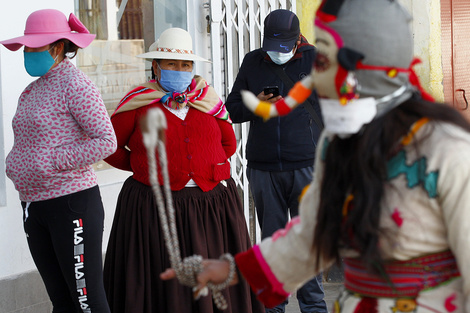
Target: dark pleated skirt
point(209, 224)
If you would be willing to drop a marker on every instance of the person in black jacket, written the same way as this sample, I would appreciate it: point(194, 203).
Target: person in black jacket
point(280, 151)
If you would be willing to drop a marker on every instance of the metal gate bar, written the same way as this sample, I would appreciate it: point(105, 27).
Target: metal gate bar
point(236, 29)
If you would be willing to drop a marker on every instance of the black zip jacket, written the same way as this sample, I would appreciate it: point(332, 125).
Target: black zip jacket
point(281, 143)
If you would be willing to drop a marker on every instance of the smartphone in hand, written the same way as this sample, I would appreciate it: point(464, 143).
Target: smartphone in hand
point(271, 89)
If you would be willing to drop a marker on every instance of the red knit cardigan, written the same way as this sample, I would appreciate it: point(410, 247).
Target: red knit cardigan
point(198, 147)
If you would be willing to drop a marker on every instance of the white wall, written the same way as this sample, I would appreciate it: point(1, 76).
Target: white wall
point(197, 27)
point(14, 253)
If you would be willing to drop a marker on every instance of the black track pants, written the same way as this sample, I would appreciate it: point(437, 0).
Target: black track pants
point(64, 236)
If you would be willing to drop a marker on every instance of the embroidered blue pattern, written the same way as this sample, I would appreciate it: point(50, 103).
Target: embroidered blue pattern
point(415, 173)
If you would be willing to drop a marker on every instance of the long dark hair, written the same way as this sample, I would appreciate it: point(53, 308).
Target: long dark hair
point(357, 166)
point(70, 49)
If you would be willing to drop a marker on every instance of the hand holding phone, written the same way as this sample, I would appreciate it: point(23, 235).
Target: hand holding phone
point(271, 90)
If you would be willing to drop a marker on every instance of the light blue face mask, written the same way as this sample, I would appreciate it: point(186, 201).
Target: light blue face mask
point(281, 58)
point(38, 63)
point(175, 81)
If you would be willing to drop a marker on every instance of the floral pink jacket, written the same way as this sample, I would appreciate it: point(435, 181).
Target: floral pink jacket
point(61, 127)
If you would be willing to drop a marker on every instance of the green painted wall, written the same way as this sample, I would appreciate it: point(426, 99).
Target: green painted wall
point(306, 11)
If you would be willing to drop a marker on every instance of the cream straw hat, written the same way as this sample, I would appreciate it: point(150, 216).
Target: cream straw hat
point(173, 44)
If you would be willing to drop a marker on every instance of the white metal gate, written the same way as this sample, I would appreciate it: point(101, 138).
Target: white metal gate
point(236, 28)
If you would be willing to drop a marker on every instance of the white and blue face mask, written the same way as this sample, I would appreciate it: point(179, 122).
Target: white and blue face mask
point(38, 63)
point(281, 58)
point(175, 81)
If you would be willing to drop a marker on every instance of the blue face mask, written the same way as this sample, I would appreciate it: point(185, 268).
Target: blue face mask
point(281, 58)
point(175, 81)
point(38, 63)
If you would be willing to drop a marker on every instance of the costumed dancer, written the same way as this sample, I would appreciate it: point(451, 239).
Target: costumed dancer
point(390, 191)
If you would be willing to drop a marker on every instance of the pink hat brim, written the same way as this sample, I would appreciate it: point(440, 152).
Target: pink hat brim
point(40, 40)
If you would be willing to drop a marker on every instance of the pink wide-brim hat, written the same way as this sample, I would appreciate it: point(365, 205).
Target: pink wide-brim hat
point(44, 27)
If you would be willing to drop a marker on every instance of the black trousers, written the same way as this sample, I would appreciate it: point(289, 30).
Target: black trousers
point(64, 236)
point(276, 194)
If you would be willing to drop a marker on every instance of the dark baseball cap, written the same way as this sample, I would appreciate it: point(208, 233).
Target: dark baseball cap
point(281, 31)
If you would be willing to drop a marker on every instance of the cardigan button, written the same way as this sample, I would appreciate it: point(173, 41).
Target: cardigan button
point(186, 139)
point(184, 123)
point(191, 174)
point(189, 156)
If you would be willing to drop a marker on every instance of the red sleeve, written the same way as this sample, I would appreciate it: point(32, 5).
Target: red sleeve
point(257, 273)
point(124, 124)
point(229, 142)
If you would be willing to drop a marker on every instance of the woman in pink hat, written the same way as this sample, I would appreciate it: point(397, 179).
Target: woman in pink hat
point(61, 127)
point(209, 215)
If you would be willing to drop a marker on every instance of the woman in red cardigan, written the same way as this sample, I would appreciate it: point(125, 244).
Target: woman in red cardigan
point(209, 215)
